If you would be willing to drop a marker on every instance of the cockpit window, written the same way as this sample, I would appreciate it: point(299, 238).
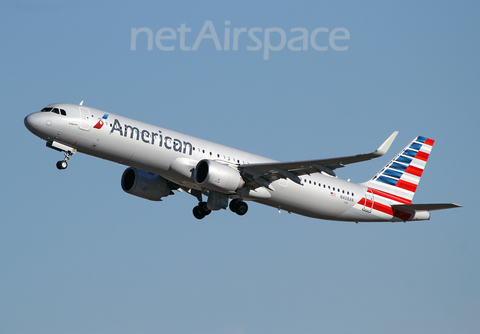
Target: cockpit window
point(55, 110)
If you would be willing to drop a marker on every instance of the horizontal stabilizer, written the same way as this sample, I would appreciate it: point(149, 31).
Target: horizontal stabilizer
point(425, 207)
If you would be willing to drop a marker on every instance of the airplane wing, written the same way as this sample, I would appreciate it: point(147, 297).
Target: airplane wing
point(265, 173)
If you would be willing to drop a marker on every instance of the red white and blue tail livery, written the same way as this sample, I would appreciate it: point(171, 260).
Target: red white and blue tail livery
point(161, 160)
point(390, 192)
point(401, 176)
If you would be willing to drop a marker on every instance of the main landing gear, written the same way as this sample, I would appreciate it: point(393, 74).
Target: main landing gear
point(236, 205)
point(62, 164)
point(201, 210)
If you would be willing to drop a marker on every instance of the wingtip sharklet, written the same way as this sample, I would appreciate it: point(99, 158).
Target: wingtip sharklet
point(386, 145)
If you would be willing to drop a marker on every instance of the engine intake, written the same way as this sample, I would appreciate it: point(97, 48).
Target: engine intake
point(214, 175)
point(144, 184)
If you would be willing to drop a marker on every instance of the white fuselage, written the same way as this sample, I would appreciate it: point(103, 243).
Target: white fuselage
point(155, 149)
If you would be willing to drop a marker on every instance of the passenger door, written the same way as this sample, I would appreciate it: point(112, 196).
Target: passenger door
point(367, 207)
point(85, 119)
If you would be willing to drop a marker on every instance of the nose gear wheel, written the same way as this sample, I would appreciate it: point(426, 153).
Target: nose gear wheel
point(62, 164)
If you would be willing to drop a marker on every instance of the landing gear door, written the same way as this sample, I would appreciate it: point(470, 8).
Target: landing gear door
point(85, 119)
point(369, 200)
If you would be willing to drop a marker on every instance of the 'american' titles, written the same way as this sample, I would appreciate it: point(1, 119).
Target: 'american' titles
point(150, 137)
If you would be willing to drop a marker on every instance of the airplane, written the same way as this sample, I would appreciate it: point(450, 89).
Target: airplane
point(161, 160)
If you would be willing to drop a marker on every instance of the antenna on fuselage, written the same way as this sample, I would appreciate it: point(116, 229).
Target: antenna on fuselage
point(81, 103)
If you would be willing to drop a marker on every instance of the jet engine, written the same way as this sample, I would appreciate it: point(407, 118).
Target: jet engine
point(144, 184)
point(217, 176)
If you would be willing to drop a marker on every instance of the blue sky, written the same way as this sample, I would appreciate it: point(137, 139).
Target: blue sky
point(77, 255)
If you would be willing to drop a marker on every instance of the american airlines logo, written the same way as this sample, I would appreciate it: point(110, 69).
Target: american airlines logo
point(253, 39)
point(100, 122)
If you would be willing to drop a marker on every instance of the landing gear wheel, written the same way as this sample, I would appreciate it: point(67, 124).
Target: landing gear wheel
point(233, 204)
point(238, 206)
point(62, 164)
point(198, 212)
point(241, 208)
point(204, 208)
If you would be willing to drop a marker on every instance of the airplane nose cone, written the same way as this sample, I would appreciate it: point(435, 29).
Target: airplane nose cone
point(28, 122)
point(31, 122)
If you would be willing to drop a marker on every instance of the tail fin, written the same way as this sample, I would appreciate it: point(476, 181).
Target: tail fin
point(398, 180)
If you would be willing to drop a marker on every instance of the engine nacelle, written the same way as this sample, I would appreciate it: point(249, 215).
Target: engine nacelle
point(144, 184)
point(217, 176)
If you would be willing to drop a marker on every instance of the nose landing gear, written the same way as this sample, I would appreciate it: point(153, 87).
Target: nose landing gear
point(62, 164)
point(67, 150)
